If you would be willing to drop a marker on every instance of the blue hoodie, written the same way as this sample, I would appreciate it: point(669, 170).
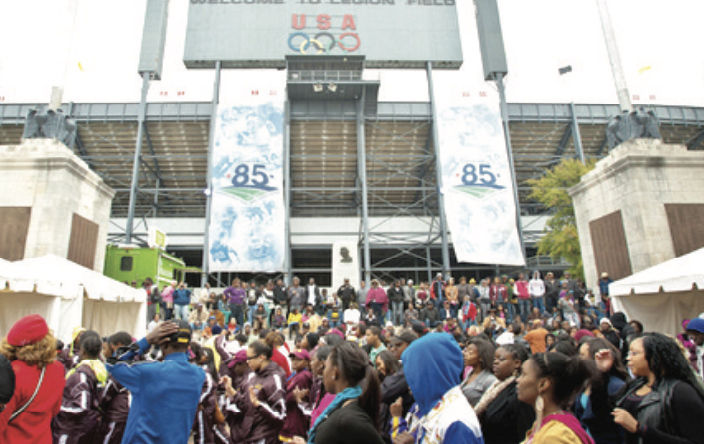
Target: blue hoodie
point(433, 366)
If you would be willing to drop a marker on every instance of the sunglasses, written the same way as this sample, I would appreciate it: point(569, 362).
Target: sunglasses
point(249, 358)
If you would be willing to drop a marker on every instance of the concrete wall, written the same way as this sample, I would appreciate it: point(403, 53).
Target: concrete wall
point(45, 175)
point(638, 178)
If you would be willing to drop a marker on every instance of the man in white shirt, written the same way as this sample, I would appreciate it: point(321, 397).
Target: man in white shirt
point(313, 294)
point(536, 289)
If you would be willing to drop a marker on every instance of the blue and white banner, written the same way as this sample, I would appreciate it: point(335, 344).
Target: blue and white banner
point(247, 213)
point(477, 187)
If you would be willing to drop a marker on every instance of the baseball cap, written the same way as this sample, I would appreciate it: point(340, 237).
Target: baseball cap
point(301, 354)
point(183, 335)
point(696, 324)
point(239, 358)
point(406, 336)
point(605, 321)
point(419, 327)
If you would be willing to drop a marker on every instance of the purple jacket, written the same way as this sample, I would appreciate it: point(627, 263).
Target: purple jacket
point(236, 295)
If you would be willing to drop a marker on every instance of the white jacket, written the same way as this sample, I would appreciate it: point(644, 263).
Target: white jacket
point(536, 286)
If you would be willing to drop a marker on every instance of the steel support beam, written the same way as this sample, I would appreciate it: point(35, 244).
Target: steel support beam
point(287, 193)
point(504, 117)
point(362, 171)
point(137, 157)
point(209, 182)
point(575, 135)
point(562, 146)
point(438, 172)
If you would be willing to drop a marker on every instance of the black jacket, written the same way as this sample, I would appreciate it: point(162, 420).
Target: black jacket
point(671, 413)
point(395, 294)
point(506, 420)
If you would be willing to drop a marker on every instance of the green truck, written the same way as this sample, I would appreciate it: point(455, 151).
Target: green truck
point(128, 264)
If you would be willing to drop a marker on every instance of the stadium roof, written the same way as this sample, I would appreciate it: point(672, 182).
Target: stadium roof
point(323, 138)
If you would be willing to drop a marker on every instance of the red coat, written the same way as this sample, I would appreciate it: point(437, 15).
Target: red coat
point(33, 426)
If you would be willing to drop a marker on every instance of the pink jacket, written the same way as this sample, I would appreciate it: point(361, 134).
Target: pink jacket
point(377, 295)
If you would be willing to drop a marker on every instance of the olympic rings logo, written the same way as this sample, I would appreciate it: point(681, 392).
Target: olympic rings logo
point(323, 42)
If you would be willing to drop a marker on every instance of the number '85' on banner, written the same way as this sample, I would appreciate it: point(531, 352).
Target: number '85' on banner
point(249, 182)
point(478, 180)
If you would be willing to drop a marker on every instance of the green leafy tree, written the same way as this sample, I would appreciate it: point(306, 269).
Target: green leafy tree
point(561, 239)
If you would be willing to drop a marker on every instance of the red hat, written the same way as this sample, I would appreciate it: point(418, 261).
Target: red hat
point(28, 330)
point(302, 354)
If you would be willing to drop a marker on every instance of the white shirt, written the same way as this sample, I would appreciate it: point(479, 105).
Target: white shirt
point(351, 316)
point(505, 338)
point(311, 295)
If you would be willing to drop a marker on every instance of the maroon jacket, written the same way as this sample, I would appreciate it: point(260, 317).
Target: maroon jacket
point(79, 416)
point(205, 430)
point(68, 360)
point(115, 405)
point(238, 409)
point(268, 418)
point(296, 423)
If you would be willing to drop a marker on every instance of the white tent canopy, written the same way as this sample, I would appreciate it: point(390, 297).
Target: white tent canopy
point(677, 274)
point(663, 295)
point(69, 295)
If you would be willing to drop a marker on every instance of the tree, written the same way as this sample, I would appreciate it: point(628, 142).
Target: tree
point(561, 239)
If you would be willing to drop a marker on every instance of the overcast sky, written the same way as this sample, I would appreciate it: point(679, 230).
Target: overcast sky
point(92, 48)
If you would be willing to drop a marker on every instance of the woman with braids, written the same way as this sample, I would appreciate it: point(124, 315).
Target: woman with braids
point(591, 406)
point(549, 382)
point(479, 354)
point(354, 414)
point(665, 404)
point(31, 348)
point(505, 419)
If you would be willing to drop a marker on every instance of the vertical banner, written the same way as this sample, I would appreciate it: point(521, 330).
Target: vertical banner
point(479, 204)
point(247, 211)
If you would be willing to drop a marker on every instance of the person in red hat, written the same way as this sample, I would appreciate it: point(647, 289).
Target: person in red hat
point(39, 382)
point(296, 423)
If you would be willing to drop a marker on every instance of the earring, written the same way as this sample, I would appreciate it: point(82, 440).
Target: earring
point(539, 405)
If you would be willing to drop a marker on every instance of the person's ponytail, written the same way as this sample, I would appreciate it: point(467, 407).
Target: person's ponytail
point(371, 395)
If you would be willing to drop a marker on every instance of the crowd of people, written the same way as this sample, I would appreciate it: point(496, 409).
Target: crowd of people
point(481, 369)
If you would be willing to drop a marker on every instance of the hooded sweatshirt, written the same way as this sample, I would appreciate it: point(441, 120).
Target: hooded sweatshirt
point(536, 286)
point(444, 415)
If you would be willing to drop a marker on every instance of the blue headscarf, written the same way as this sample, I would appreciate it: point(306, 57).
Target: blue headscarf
point(340, 398)
point(435, 357)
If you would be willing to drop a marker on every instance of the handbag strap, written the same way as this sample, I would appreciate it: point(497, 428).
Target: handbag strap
point(34, 395)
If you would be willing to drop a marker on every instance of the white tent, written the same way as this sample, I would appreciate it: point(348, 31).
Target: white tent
point(69, 295)
point(662, 296)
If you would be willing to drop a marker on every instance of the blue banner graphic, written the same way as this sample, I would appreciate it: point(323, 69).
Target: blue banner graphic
point(477, 187)
point(247, 212)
